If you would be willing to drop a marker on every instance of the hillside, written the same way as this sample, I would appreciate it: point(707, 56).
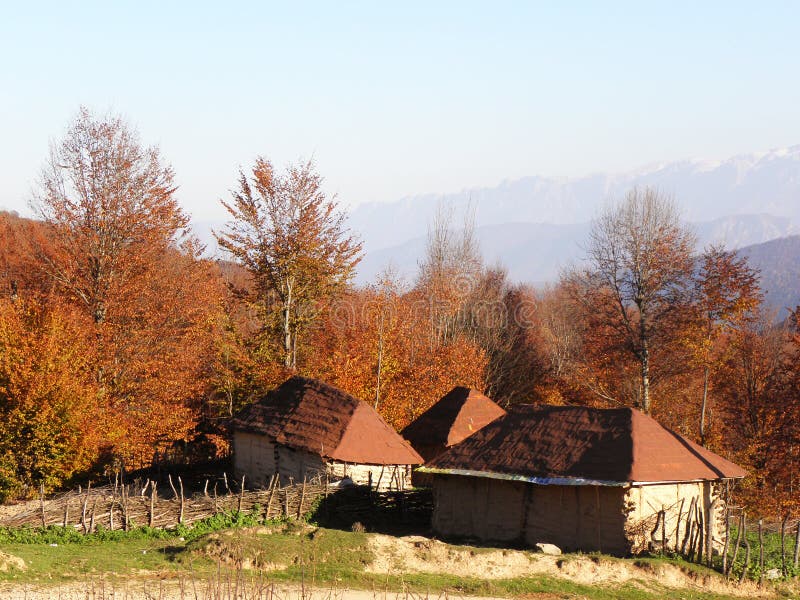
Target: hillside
point(779, 263)
point(535, 252)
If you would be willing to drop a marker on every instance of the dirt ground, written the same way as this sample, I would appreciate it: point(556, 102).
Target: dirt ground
point(186, 590)
point(415, 554)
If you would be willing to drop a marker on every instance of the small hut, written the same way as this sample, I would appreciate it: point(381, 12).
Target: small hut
point(457, 415)
point(308, 430)
point(609, 480)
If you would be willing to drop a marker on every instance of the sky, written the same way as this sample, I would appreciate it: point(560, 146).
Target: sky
point(395, 99)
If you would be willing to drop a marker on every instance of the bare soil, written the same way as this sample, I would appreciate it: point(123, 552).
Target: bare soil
point(416, 554)
point(147, 589)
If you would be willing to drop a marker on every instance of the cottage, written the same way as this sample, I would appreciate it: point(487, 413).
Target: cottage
point(457, 415)
point(581, 478)
point(308, 430)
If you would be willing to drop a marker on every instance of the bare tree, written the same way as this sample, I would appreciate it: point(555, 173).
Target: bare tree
point(450, 270)
point(640, 251)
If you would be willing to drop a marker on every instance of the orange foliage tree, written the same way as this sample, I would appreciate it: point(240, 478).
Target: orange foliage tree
point(118, 249)
point(291, 238)
point(640, 266)
point(375, 345)
point(52, 418)
point(727, 295)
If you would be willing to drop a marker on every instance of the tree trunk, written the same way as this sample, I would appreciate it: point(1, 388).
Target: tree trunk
point(380, 365)
point(644, 356)
point(645, 379)
point(287, 329)
point(703, 407)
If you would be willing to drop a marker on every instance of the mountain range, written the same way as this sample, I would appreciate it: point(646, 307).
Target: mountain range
point(535, 226)
point(753, 184)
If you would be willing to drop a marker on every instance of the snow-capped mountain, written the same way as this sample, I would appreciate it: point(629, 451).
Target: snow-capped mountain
point(536, 225)
point(765, 183)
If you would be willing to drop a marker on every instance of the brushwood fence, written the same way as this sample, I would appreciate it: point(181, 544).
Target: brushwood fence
point(146, 503)
point(124, 506)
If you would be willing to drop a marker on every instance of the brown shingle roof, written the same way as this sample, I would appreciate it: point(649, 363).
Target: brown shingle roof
point(578, 444)
point(457, 415)
point(311, 415)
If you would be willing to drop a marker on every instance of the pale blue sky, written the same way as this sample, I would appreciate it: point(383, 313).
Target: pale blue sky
point(401, 98)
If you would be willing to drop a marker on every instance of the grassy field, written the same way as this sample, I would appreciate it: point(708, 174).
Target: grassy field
point(318, 557)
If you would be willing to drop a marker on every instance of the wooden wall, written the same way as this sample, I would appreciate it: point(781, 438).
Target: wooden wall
point(493, 510)
point(614, 520)
point(258, 458)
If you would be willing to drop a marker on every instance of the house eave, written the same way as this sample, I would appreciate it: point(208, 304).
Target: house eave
point(524, 478)
point(567, 481)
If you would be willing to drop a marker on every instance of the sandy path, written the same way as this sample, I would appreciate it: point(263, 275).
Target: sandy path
point(145, 589)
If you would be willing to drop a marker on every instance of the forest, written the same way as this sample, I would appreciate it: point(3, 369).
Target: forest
point(122, 342)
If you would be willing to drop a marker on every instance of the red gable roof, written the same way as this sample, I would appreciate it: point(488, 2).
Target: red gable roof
point(314, 416)
point(582, 445)
point(456, 416)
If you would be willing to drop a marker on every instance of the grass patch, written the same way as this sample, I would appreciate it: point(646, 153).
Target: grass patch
point(291, 552)
point(772, 553)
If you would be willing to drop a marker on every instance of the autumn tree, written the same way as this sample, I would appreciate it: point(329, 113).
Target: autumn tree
point(118, 250)
point(752, 394)
point(726, 294)
point(640, 258)
point(51, 416)
point(374, 344)
point(111, 209)
point(291, 237)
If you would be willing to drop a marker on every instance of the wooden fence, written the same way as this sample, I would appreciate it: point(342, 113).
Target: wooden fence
point(123, 506)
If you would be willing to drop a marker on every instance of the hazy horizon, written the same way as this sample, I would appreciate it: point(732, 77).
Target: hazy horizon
point(430, 98)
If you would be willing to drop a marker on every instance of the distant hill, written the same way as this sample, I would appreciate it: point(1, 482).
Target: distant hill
point(767, 182)
point(779, 263)
point(536, 252)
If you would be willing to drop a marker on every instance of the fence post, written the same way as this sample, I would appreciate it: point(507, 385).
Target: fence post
point(41, 505)
point(746, 548)
point(111, 507)
point(180, 514)
point(241, 496)
point(760, 552)
point(273, 484)
point(783, 544)
point(710, 533)
point(797, 546)
point(94, 507)
point(302, 499)
point(85, 502)
point(700, 532)
point(153, 493)
point(727, 541)
point(738, 541)
point(124, 507)
point(687, 535)
point(66, 511)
